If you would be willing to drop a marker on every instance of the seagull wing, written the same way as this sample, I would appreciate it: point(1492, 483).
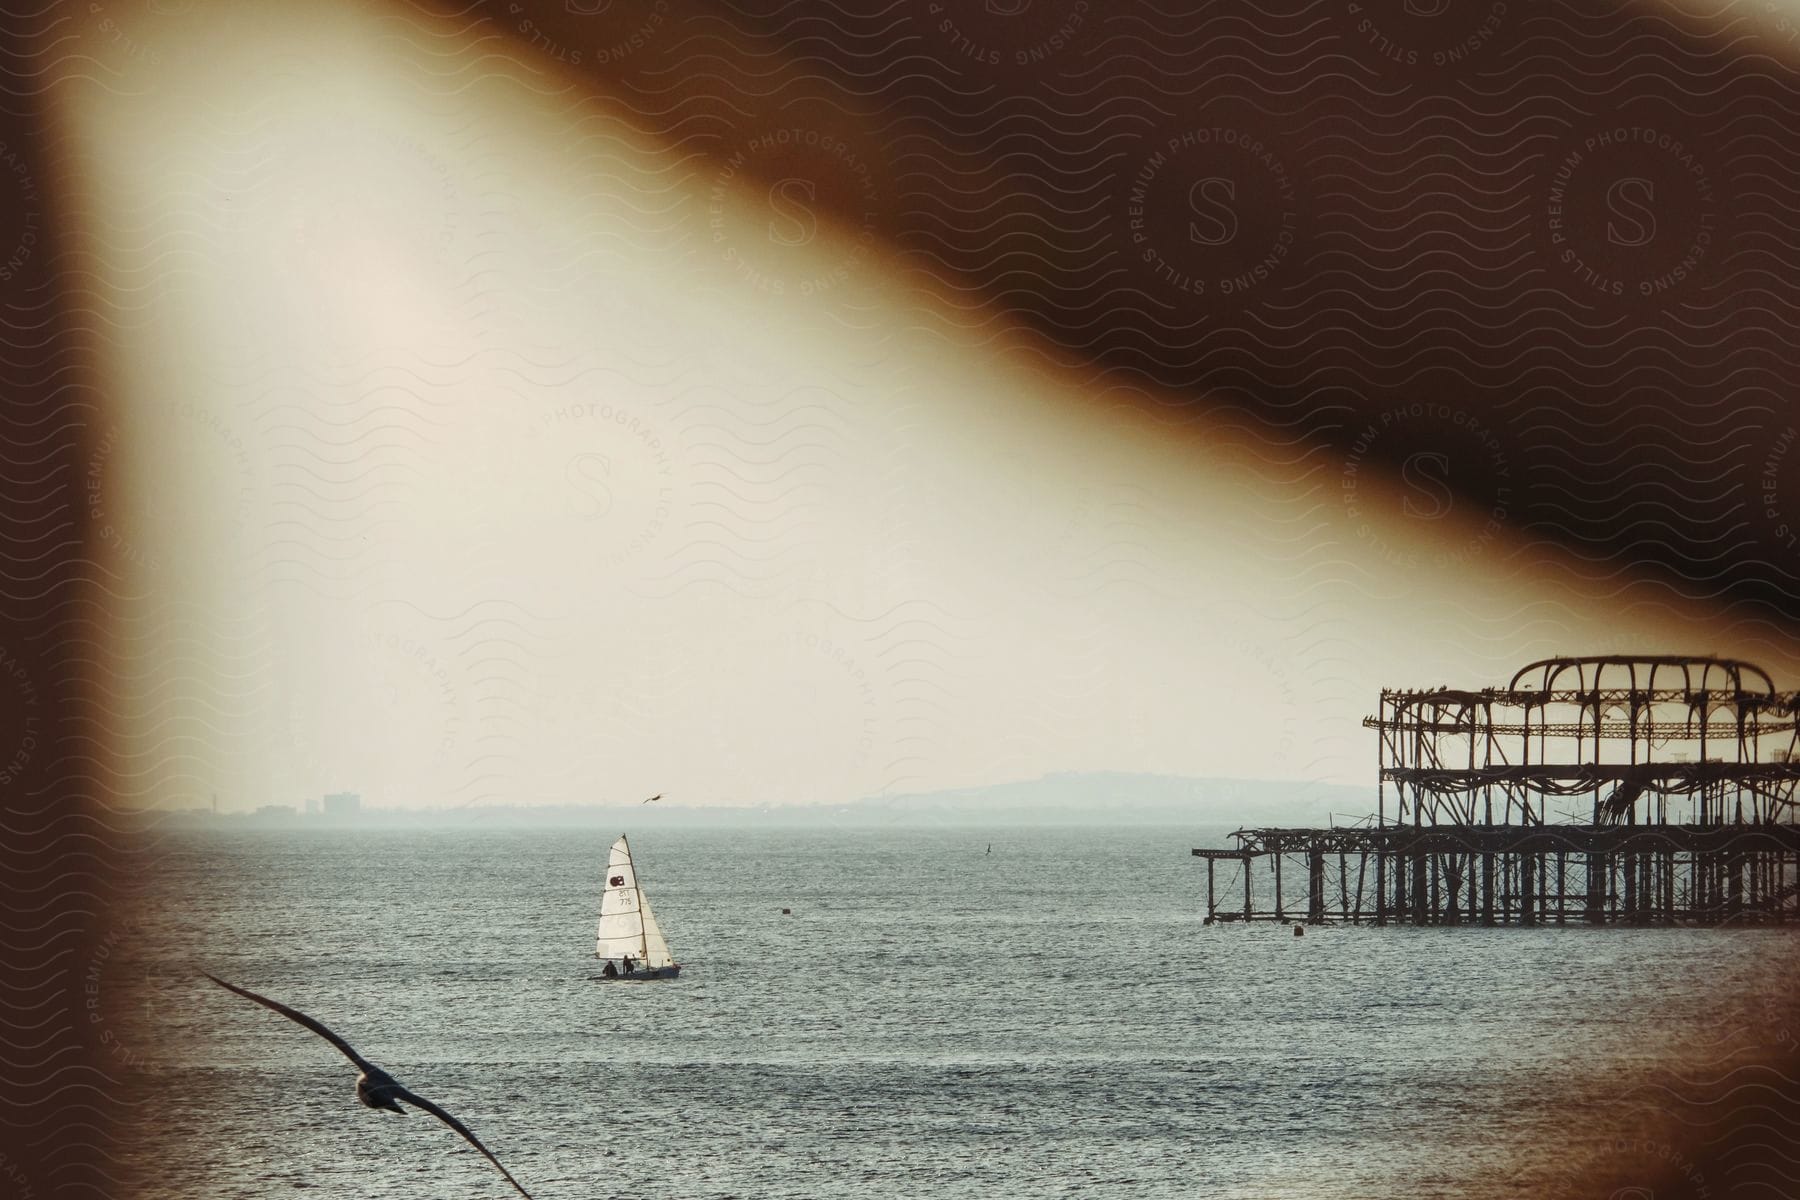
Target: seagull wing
point(401, 1093)
point(658, 796)
point(300, 1017)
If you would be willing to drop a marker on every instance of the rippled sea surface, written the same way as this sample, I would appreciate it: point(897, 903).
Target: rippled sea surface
point(932, 1020)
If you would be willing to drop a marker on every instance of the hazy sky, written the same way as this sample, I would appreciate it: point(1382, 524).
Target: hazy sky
point(469, 448)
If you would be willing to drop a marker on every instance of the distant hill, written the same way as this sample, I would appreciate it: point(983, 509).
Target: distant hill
point(1114, 797)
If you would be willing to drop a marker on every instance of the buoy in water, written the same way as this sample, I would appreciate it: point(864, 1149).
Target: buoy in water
point(1299, 931)
point(787, 912)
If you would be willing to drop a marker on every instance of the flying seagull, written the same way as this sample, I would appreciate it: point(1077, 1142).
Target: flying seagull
point(658, 796)
point(375, 1087)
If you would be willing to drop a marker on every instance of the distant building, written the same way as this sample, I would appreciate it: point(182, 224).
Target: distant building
point(342, 804)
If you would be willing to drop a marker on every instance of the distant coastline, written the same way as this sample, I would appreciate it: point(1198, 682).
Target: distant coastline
point(1066, 799)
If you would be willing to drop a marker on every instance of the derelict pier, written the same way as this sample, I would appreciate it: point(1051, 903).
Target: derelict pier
point(1609, 790)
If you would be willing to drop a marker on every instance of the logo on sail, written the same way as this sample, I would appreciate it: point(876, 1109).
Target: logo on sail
point(616, 881)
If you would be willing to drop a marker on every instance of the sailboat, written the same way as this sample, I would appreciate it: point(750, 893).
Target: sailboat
point(630, 941)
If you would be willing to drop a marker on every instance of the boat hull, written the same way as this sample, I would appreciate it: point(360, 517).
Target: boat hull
point(669, 972)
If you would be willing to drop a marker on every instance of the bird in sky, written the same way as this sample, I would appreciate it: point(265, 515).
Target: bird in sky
point(658, 796)
point(374, 1086)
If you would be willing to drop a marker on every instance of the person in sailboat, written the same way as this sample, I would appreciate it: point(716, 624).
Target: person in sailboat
point(628, 965)
point(610, 970)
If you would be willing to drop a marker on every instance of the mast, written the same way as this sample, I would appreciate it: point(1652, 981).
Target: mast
point(637, 885)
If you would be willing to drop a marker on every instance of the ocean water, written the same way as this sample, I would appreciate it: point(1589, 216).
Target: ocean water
point(932, 1020)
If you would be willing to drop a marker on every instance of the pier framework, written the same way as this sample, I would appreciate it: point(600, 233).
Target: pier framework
point(1653, 790)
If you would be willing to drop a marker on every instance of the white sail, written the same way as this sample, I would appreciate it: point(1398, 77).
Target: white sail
point(656, 950)
point(627, 926)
